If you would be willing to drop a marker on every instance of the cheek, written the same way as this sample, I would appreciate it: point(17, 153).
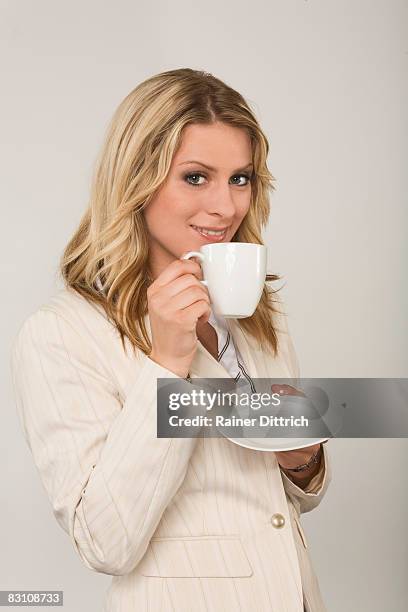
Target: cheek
point(243, 206)
point(161, 210)
point(165, 216)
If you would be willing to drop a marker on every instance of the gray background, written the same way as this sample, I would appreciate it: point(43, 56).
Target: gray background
point(328, 83)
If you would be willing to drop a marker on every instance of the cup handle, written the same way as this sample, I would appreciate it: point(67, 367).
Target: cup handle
point(200, 256)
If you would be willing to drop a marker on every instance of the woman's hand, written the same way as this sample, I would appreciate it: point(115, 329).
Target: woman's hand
point(176, 302)
point(293, 458)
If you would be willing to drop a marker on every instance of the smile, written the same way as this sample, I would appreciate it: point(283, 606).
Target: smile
point(215, 235)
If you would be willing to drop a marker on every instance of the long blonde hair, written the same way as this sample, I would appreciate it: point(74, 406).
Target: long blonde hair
point(110, 246)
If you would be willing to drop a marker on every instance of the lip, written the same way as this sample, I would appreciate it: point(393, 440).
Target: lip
point(211, 238)
point(211, 229)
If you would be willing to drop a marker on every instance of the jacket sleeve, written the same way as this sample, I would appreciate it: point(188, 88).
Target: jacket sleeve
point(106, 474)
point(306, 499)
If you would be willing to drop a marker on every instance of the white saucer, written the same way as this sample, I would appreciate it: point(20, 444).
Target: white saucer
point(275, 444)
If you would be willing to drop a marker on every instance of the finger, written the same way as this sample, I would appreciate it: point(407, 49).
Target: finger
point(186, 298)
point(284, 389)
point(199, 311)
point(183, 282)
point(175, 269)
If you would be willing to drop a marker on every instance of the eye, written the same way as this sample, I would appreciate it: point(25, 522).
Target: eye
point(191, 179)
point(244, 176)
point(193, 176)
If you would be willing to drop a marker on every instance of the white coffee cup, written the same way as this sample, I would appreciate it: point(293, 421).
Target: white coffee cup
point(234, 273)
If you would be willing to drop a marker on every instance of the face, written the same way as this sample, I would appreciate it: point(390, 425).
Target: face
point(208, 188)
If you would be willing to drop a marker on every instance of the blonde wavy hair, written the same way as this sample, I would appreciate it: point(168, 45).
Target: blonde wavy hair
point(106, 260)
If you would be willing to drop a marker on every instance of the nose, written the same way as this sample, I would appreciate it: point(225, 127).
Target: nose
point(221, 203)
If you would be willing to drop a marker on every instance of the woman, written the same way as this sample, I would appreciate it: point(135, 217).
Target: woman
point(181, 524)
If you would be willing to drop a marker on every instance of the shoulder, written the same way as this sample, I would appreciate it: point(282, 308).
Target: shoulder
point(68, 304)
point(74, 308)
point(66, 318)
point(65, 343)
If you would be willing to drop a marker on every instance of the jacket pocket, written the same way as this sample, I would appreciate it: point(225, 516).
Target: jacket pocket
point(212, 556)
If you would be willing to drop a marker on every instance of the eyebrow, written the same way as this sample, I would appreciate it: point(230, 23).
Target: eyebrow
point(211, 168)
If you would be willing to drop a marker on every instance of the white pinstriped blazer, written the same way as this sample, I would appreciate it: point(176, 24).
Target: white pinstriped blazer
point(181, 524)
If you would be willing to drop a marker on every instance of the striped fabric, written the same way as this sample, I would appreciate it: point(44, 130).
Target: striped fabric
point(180, 524)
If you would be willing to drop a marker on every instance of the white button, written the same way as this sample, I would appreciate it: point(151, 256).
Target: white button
point(278, 520)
